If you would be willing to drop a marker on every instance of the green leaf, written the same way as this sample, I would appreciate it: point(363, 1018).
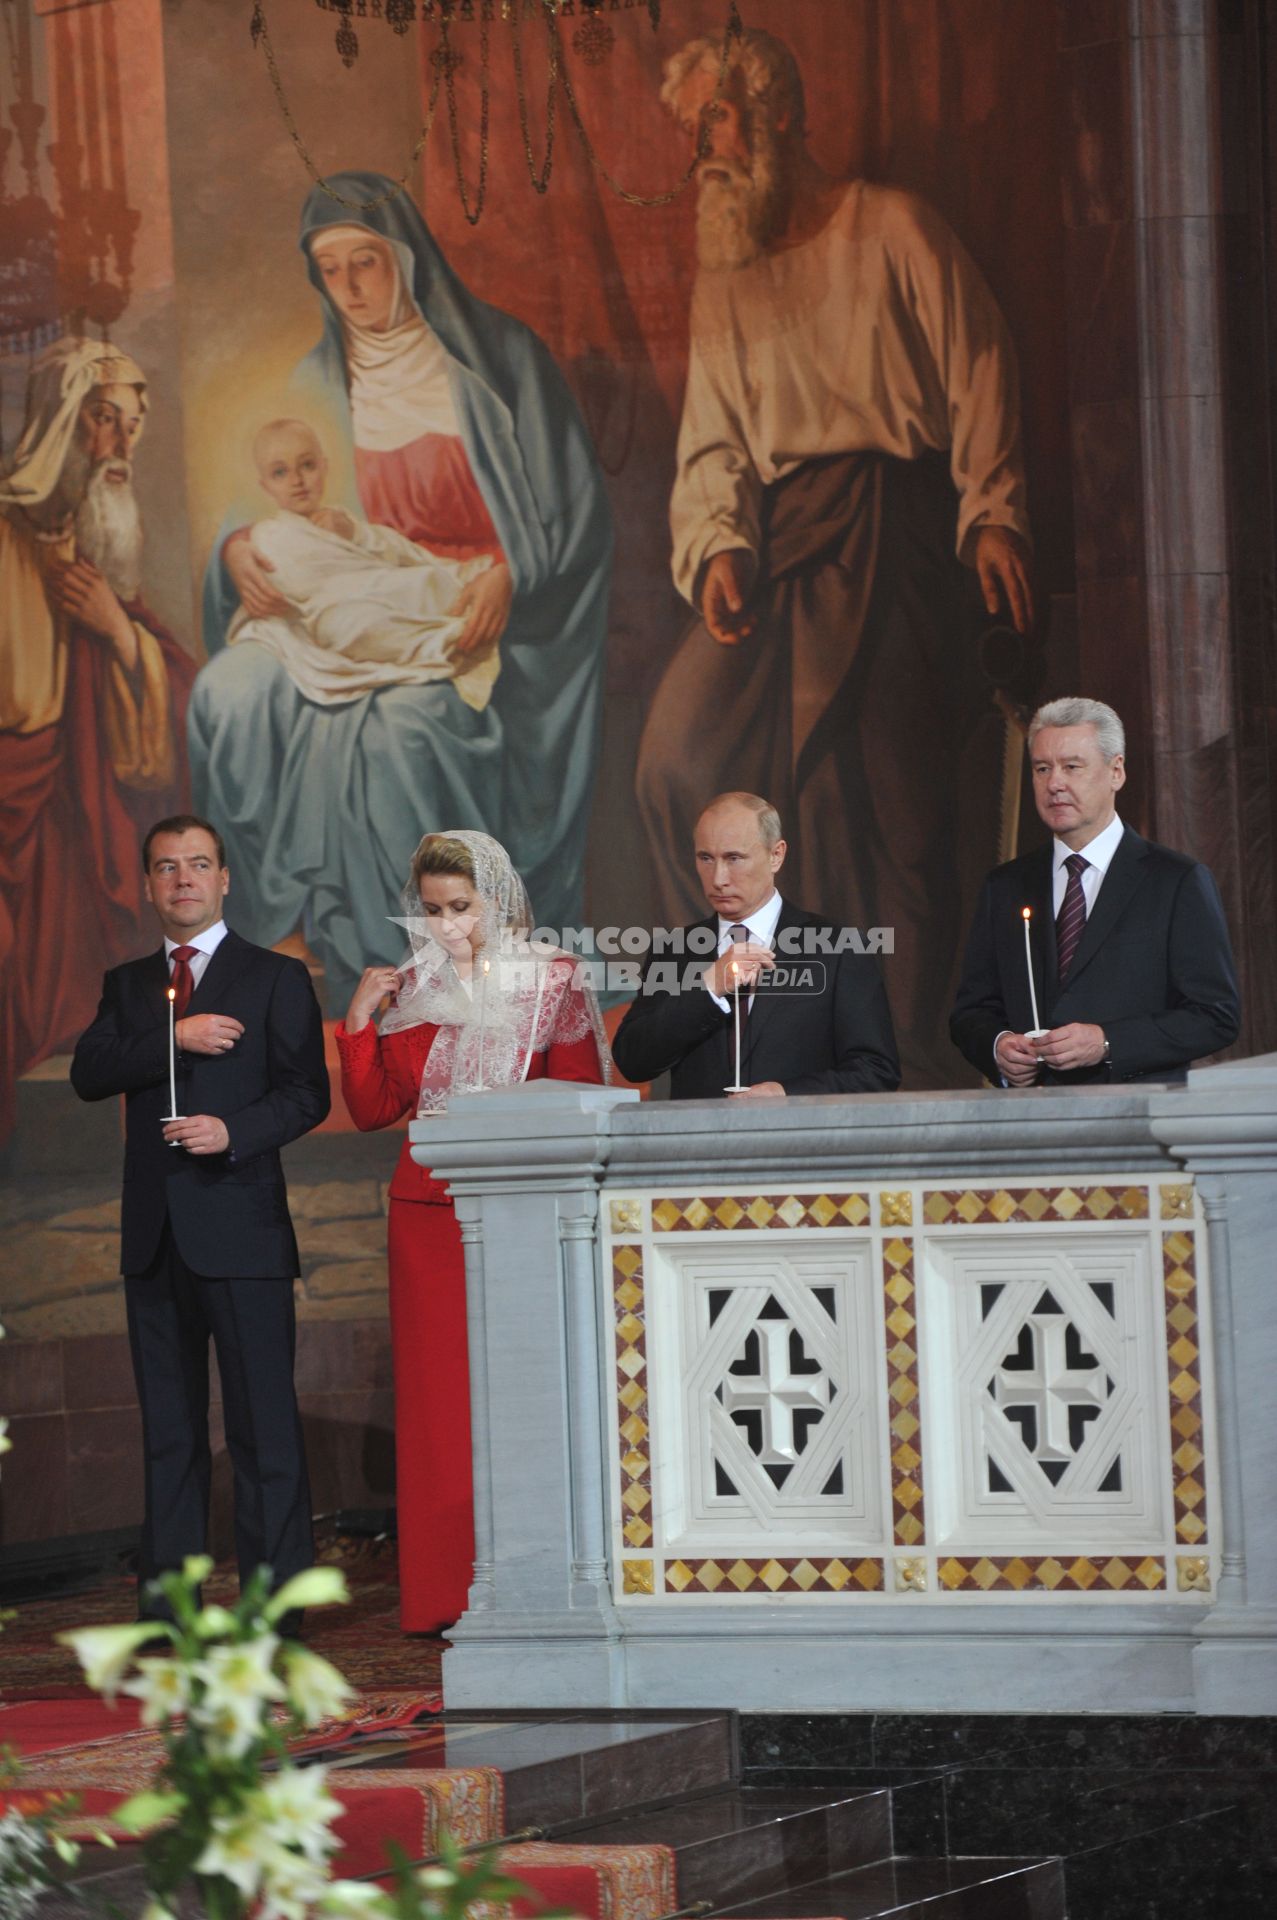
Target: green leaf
point(148, 1809)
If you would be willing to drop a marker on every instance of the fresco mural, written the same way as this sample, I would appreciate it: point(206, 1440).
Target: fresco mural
point(433, 504)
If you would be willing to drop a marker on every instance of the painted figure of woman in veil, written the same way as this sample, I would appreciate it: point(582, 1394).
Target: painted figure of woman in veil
point(466, 440)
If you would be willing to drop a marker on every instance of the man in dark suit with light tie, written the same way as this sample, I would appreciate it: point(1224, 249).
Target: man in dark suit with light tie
point(1131, 959)
point(813, 1010)
point(207, 1244)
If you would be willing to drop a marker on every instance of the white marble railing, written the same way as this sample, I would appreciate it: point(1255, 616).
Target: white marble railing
point(893, 1401)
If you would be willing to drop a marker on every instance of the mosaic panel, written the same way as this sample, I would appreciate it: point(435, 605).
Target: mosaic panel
point(727, 1214)
point(900, 1304)
point(1000, 1206)
point(1045, 1573)
point(1184, 1371)
point(726, 1576)
point(631, 1395)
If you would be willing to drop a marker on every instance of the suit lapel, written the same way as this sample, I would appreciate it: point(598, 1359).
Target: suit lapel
point(1121, 882)
point(153, 979)
point(230, 958)
point(765, 995)
point(1042, 938)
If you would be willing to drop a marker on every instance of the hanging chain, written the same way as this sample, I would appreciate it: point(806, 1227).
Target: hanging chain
point(448, 62)
point(730, 36)
point(540, 181)
point(261, 31)
point(445, 60)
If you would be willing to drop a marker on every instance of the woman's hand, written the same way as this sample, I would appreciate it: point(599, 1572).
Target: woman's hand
point(251, 574)
point(374, 985)
point(485, 603)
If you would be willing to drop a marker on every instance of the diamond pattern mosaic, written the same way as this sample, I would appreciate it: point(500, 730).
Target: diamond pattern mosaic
point(900, 1304)
point(998, 1206)
point(759, 1211)
point(631, 1395)
point(726, 1576)
point(1184, 1372)
point(1015, 1573)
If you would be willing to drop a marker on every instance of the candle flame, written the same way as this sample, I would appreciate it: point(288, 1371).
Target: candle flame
point(1026, 912)
point(172, 993)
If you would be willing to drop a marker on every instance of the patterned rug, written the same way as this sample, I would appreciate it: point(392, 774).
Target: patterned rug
point(364, 1640)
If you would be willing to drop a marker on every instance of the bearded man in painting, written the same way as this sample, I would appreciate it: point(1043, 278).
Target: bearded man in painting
point(848, 466)
point(92, 700)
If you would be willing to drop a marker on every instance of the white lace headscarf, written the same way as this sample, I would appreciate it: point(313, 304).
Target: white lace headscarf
point(522, 998)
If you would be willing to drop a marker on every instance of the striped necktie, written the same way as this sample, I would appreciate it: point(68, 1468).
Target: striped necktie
point(183, 980)
point(1072, 915)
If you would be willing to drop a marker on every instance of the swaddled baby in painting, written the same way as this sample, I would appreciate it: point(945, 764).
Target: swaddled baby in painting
point(369, 607)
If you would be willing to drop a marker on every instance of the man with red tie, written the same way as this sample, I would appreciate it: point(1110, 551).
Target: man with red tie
point(1131, 960)
point(208, 1249)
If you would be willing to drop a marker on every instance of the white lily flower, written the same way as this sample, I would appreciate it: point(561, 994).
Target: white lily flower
point(316, 1587)
point(315, 1687)
point(163, 1687)
point(156, 1910)
point(234, 1850)
point(6, 1444)
point(230, 1728)
point(291, 1885)
point(296, 1808)
point(196, 1568)
point(105, 1652)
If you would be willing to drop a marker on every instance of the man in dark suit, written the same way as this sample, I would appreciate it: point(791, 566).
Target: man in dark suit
point(1131, 960)
point(813, 1011)
point(207, 1244)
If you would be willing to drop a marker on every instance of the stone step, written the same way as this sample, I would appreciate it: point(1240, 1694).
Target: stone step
point(563, 1769)
point(747, 1844)
point(907, 1888)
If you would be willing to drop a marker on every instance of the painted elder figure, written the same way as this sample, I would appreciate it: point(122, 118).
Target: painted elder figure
point(467, 442)
point(849, 456)
point(92, 697)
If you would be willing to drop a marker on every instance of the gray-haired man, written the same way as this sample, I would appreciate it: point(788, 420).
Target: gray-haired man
point(1129, 948)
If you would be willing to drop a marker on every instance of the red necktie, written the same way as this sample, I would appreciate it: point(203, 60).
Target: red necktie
point(1072, 915)
point(183, 981)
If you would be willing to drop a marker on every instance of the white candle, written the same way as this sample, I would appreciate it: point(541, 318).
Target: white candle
point(736, 1012)
point(172, 1053)
point(1027, 914)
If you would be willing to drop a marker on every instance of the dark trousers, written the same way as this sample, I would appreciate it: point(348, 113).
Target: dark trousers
point(172, 1315)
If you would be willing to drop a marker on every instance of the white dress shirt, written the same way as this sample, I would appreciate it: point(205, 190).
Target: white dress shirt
point(760, 925)
point(1098, 853)
point(205, 945)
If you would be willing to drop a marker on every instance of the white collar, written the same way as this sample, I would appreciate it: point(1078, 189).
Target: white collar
point(207, 942)
point(1098, 852)
point(760, 924)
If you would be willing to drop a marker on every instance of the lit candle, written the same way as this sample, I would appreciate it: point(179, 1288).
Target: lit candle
point(1027, 914)
point(172, 1053)
point(736, 1011)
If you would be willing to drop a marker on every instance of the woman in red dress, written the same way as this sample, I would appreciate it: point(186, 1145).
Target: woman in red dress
point(478, 1006)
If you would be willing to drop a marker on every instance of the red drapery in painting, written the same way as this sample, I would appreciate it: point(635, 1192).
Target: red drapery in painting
point(954, 99)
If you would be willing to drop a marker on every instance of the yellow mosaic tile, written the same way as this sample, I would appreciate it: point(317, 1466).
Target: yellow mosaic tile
point(1176, 1202)
point(1029, 1574)
point(637, 1577)
point(636, 1531)
point(803, 1575)
point(733, 1212)
point(998, 1206)
point(627, 1260)
point(1184, 1381)
point(635, 1463)
point(895, 1209)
